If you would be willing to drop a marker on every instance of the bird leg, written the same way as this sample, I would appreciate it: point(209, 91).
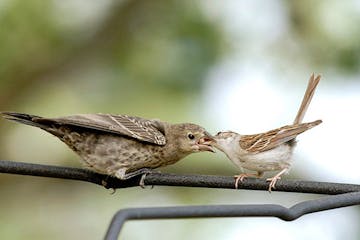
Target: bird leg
point(242, 176)
point(121, 174)
point(274, 179)
point(104, 183)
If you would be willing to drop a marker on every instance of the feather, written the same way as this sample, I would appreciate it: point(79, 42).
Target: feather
point(309, 93)
point(273, 138)
point(151, 131)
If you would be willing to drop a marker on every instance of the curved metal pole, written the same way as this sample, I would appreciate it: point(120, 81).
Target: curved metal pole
point(246, 210)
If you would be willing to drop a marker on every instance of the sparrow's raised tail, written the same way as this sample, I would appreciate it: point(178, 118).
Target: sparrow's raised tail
point(309, 93)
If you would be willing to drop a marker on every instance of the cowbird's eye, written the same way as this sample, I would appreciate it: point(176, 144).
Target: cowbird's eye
point(190, 136)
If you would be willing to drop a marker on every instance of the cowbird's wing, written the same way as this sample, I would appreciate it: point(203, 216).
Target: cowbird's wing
point(151, 131)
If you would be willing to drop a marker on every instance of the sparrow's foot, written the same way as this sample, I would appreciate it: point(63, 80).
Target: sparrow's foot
point(240, 178)
point(272, 181)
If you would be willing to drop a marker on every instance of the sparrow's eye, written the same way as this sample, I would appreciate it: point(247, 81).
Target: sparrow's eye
point(190, 136)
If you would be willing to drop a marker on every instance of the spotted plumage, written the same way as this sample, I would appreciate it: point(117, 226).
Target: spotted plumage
point(121, 145)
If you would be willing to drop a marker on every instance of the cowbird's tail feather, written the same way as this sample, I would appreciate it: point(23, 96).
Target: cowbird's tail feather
point(23, 118)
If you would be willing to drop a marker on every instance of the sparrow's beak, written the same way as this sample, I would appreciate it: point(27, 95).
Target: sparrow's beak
point(205, 143)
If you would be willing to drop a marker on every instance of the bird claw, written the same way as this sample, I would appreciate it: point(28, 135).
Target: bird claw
point(272, 181)
point(240, 178)
point(142, 179)
point(105, 184)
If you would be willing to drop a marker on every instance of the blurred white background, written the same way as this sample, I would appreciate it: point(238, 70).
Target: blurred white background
point(227, 65)
point(257, 89)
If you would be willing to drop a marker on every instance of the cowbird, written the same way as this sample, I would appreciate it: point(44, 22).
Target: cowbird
point(269, 151)
point(121, 145)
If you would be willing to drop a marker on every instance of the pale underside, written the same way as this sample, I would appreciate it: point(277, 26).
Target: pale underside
point(269, 151)
point(271, 160)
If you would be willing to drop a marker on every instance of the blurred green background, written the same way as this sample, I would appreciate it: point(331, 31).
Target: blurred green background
point(164, 59)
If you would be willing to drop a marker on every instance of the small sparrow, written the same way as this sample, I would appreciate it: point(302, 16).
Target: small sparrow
point(269, 151)
point(120, 145)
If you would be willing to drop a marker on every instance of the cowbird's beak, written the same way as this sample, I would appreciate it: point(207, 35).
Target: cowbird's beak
point(205, 143)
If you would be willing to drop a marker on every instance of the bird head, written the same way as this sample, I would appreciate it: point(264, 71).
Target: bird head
point(192, 138)
point(222, 140)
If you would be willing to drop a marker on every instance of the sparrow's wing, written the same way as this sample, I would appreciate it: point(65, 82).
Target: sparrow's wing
point(151, 131)
point(271, 139)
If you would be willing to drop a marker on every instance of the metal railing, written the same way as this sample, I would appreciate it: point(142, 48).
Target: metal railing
point(344, 194)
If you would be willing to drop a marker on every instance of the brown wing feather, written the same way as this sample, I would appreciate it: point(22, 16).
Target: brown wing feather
point(271, 139)
point(151, 131)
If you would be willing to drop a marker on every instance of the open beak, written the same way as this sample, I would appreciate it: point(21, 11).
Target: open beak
point(205, 143)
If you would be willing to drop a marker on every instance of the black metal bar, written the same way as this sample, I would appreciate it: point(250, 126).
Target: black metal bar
point(215, 211)
point(349, 194)
point(204, 181)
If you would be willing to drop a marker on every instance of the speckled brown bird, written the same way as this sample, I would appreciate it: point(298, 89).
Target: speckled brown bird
point(120, 145)
point(269, 151)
